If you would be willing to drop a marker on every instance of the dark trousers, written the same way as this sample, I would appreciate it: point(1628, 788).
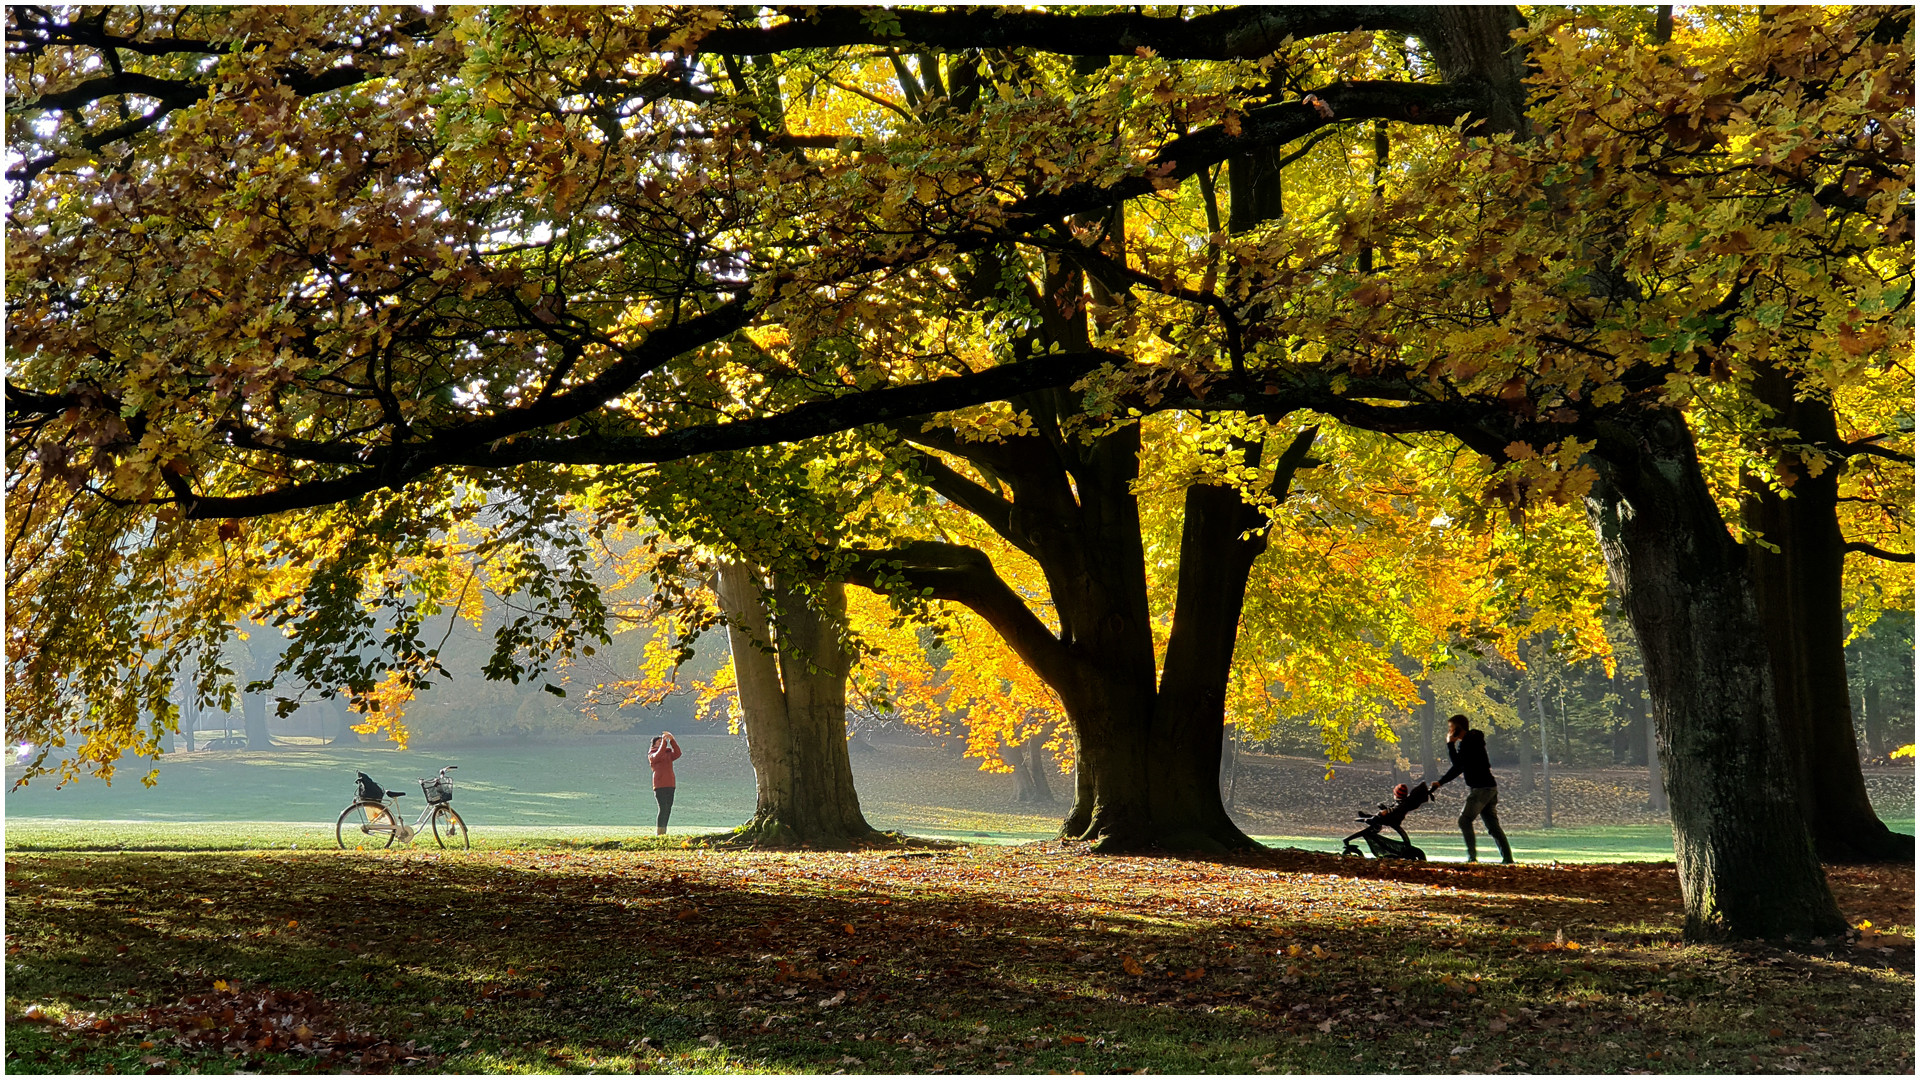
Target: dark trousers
point(1480, 804)
point(664, 795)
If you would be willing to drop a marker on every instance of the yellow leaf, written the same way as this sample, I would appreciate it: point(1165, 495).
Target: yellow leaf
point(1130, 965)
point(220, 985)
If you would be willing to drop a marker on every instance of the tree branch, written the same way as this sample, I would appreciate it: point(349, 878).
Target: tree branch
point(966, 576)
point(477, 445)
point(1877, 552)
point(1233, 34)
point(974, 498)
point(1866, 448)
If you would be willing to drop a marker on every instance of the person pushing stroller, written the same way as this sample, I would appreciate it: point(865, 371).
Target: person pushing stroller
point(1406, 800)
point(1467, 750)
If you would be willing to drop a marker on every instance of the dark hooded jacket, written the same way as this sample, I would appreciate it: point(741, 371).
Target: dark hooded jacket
point(1469, 758)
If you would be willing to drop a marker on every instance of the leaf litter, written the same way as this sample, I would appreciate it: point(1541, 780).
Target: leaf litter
point(1037, 956)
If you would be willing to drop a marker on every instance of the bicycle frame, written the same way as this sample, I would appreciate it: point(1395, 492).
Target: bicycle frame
point(401, 831)
point(386, 822)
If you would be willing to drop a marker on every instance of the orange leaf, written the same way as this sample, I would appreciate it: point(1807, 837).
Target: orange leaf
point(1130, 965)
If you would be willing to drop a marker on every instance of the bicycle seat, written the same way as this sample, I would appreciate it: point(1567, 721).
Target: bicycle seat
point(397, 794)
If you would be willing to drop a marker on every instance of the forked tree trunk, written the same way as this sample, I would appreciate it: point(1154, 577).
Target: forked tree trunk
point(1746, 863)
point(1190, 715)
point(1798, 589)
point(792, 678)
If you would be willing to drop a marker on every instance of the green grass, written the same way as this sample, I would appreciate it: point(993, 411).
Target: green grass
point(602, 782)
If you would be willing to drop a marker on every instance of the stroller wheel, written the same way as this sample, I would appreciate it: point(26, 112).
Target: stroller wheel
point(1350, 850)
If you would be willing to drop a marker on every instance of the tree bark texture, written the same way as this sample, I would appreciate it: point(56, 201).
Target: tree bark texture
point(1747, 865)
point(1797, 579)
point(1650, 749)
point(792, 678)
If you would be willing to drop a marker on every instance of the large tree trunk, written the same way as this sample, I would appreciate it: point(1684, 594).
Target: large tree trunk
point(1112, 804)
point(1148, 755)
point(1190, 718)
point(792, 678)
point(1797, 574)
point(1747, 865)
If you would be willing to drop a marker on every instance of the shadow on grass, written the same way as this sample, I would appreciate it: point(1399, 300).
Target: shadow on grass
point(914, 958)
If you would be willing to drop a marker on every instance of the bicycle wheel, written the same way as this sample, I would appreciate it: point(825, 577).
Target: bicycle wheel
point(368, 823)
point(449, 829)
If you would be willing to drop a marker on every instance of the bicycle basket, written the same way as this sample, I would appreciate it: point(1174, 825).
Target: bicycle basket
point(367, 790)
point(437, 790)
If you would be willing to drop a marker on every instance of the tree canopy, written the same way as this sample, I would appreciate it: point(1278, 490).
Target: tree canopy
point(315, 312)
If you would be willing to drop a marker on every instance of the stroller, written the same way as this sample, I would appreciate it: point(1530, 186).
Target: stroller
point(1389, 817)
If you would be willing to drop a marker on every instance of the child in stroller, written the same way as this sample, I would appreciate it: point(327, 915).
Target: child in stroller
point(1385, 847)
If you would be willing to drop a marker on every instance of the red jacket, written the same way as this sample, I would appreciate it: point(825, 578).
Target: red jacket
point(662, 760)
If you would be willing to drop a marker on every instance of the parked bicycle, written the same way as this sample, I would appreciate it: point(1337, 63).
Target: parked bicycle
point(375, 813)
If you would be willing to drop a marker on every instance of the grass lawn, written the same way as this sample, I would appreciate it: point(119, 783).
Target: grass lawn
point(656, 957)
point(601, 782)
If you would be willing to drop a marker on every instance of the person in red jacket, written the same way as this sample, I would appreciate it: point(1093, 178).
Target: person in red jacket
point(661, 755)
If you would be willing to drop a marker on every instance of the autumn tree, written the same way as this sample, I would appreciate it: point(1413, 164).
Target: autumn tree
point(1579, 345)
point(425, 255)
